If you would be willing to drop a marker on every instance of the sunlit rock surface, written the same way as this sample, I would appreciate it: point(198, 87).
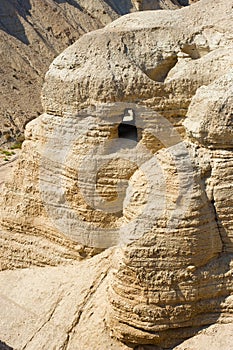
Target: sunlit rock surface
point(165, 197)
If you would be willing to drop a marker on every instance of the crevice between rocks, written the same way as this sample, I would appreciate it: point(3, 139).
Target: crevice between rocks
point(51, 313)
point(93, 288)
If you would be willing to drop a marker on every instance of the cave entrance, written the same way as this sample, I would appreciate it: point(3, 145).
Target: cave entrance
point(127, 128)
point(127, 131)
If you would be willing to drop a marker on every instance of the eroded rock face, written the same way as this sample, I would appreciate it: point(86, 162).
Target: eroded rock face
point(214, 128)
point(32, 33)
point(66, 305)
point(174, 273)
point(161, 301)
point(209, 126)
point(57, 305)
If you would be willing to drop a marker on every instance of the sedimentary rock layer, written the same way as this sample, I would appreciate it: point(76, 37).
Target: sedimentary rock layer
point(32, 33)
point(173, 218)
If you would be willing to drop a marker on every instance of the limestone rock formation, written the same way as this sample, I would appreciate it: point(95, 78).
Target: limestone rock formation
point(214, 337)
point(62, 307)
point(210, 115)
point(32, 33)
point(209, 125)
point(135, 69)
point(166, 195)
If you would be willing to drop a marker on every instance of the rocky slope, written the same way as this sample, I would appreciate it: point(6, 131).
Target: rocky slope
point(32, 33)
point(167, 200)
point(65, 308)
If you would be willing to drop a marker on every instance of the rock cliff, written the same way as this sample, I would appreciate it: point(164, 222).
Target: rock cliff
point(165, 196)
point(32, 33)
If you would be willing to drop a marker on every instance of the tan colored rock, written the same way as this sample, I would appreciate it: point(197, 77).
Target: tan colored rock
point(165, 280)
point(209, 119)
point(173, 274)
point(134, 68)
point(65, 307)
point(214, 337)
point(57, 308)
point(32, 33)
point(107, 65)
point(209, 123)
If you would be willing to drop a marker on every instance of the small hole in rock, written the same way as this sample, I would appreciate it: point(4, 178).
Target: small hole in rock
point(127, 128)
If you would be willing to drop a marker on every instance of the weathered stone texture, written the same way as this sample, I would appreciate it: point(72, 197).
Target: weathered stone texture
point(174, 274)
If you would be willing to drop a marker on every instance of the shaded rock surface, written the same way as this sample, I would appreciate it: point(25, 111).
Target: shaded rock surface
point(174, 274)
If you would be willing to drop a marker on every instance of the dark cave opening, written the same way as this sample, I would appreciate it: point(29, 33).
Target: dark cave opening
point(128, 131)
